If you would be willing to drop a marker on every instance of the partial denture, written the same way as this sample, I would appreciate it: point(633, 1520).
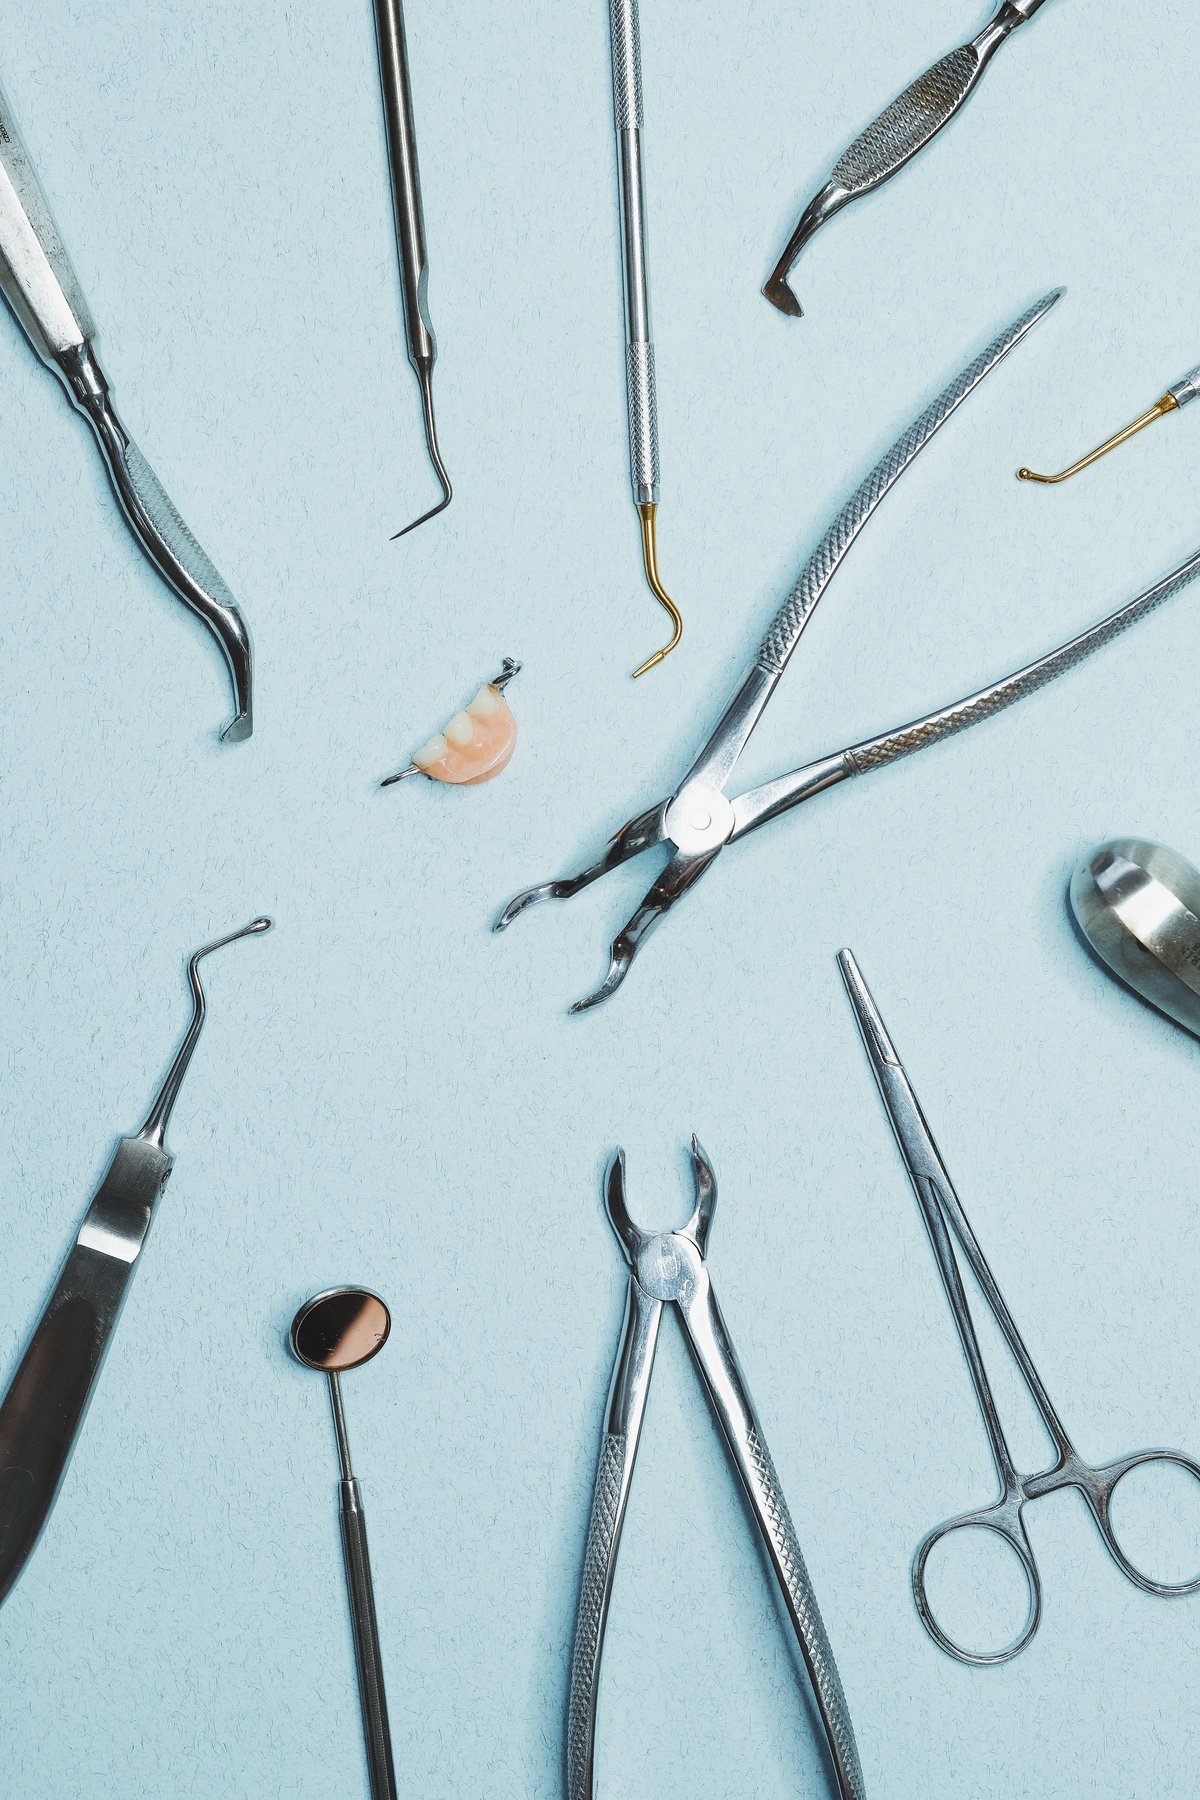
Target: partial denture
point(476, 744)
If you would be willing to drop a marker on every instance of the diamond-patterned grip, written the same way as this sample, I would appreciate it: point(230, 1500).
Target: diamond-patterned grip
point(793, 615)
point(817, 1652)
point(589, 1619)
point(894, 744)
point(626, 64)
point(909, 122)
point(643, 419)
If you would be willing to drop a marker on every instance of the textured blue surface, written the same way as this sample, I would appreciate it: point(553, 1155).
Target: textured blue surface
point(387, 1094)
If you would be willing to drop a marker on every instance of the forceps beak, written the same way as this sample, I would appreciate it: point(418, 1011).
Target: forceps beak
point(879, 1045)
point(681, 873)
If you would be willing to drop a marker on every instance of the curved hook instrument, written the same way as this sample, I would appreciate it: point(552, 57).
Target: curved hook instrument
point(43, 1409)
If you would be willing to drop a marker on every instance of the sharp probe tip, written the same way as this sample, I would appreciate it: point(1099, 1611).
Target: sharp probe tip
point(425, 377)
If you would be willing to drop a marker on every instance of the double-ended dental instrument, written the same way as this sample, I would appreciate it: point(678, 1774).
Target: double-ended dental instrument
point(43, 1408)
point(338, 1330)
point(640, 390)
point(43, 290)
point(669, 1269)
point(895, 137)
point(476, 745)
point(945, 1222)
point(697, 821)
point(1179, 394)
point(1138, 906)
point(400, 131)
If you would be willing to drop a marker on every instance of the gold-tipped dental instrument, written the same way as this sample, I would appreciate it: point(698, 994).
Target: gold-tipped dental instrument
point(1185, 389)
point(639, 346)
point(400, 131)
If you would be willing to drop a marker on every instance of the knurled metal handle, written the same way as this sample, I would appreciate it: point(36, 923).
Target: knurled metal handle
point(595, 1586)
point(643, 420)
point(626, 64)
point(907, 125)
point(776, 1519)
point(889, 746)
point(788, 623)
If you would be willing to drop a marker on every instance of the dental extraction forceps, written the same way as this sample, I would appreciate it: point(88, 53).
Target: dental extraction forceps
point(640, 390)
point(42, 1412)
point(41, 287)
point(697, 821)
point(945, 1221)
point(895, 137)
point(669, 1269)
point(401, 132)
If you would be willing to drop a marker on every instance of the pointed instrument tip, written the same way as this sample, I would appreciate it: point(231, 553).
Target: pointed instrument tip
point(425, 377)
point(879, 1045)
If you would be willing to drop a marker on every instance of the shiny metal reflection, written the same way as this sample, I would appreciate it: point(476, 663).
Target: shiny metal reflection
point(340, 1329)
point(1137, 903)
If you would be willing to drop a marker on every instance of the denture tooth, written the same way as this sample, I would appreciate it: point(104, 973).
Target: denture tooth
point(460, 731)
point(485, 703)
point(431, 752)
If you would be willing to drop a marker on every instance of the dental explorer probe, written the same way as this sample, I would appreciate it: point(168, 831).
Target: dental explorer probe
point(41, 287)
point(400, 131)
point(1181, 393)
point(641, 395)
point(894, 138)
point(42, 1411)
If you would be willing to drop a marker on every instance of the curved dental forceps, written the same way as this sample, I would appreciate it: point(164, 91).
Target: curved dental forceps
point(43, 1408)
point(945, 1220)
point(669, 1268)
point(41, 287)
point(698, 820)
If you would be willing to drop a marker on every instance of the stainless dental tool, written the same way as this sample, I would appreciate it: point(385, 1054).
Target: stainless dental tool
point(1180, 394)
point(946, 1221)
point(698, 820)
point(640, 391)
point(895, 137)
point(335, 1331)
point(43, 290)
point(669, 1269)
point(44, 1406)
point(400, 130)
point(1138, 905)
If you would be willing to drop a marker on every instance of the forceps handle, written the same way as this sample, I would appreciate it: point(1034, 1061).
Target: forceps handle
point(640, 390)
point(735, 1413)
point(367, 1655)
point(400, 131)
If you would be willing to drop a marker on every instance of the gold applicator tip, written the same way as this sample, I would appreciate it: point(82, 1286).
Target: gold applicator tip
point(647, 512)
point(1168, 403)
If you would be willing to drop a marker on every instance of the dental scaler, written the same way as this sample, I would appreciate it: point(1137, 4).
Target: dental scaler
point(42, 1412)
point(43, 291)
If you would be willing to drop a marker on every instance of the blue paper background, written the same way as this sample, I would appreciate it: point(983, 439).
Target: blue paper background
point(386, 1093)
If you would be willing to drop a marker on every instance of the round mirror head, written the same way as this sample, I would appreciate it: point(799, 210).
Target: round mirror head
point(340, 1329)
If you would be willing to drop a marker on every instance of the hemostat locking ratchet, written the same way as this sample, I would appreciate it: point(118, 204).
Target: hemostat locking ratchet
point(698, 820)
point(669, 1268)
point(41, 287)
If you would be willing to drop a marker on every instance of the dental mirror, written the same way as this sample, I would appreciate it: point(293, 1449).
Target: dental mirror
point(1138, 906)
point(338, 1330)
